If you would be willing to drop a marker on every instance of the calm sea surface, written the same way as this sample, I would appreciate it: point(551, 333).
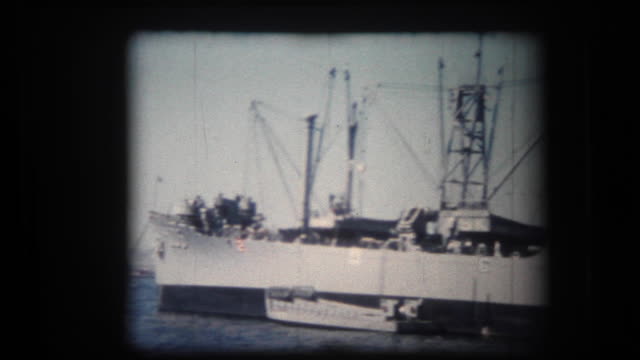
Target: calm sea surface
point(158, 332)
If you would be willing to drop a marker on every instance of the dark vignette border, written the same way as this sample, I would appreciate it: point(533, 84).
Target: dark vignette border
point(71, 65)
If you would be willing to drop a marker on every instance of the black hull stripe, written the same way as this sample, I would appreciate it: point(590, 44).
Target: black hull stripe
point(451, 315)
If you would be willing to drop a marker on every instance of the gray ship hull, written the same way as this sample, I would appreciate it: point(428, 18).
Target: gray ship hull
point(226, 275)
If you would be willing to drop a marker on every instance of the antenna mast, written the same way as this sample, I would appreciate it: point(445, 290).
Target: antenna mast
point(466, 148)
point(353, 127)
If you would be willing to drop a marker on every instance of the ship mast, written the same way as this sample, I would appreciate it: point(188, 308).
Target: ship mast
point(353, 127)
point(443, 158)
point(307, 176)
point(466, 177)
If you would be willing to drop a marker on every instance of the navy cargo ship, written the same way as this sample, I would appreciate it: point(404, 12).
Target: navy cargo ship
point(458, 268)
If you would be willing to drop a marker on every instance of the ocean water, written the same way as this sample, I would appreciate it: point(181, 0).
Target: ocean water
point(150, 331)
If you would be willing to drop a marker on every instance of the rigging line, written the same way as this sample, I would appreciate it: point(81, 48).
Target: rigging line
point(269, 132)
point(473, 168)
point(407, 86)
point(194, 169)
point(279, 110)
point(395, 86)
point(258, 162)
point(503, 162)
point(513, 169)
point(322, 100)
point(333, 140)
point(325, 123)
point(410, 150)
point(518, 82)
point(512, 123)
point(361, 145)
point(279, 168)
point(494, 119)
point(204, 134)
point(360, 175)
point(361, 195)
point(408, 96)
point(270, 135)
point(453, 169)
point(245, 171)
point(194, 80)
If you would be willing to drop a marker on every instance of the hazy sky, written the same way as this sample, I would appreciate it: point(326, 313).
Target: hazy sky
point(191, 124)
